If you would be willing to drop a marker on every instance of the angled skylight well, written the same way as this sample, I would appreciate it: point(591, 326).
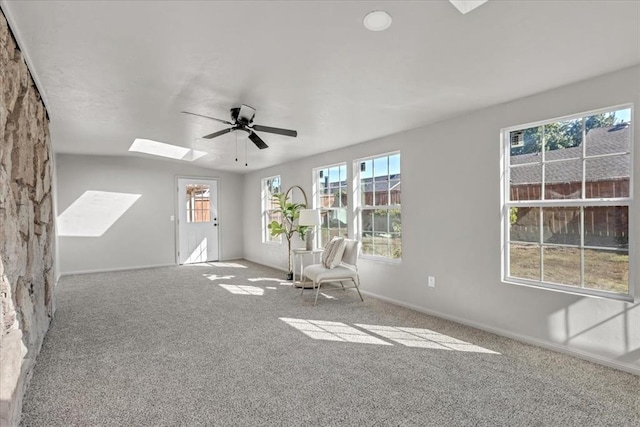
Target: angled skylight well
point(466, 6)
point(155, 148)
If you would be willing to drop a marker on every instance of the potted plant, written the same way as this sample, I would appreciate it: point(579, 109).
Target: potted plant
point(289, 212)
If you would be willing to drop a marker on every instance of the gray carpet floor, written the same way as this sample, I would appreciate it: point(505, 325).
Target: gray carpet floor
point(231, 344)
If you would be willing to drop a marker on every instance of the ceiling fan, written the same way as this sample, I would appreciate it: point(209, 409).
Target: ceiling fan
point(242, 119)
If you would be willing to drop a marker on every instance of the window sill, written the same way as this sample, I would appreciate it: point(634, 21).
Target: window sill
point(582, 292)
point(381, 260)
point(271, 243)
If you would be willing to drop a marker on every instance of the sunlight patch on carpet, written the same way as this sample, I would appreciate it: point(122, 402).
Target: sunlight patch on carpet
point(243, 289)
point(332, 331)
point(424, 338)
point(216, 277)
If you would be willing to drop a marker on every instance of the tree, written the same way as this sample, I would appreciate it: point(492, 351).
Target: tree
point(560, 135)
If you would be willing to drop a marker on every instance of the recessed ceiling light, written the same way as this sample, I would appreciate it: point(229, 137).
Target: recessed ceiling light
point(378, 20)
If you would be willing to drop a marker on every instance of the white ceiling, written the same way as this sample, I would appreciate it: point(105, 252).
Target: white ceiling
point(113, 71)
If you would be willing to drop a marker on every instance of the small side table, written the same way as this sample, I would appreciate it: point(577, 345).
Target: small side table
point(300, 253)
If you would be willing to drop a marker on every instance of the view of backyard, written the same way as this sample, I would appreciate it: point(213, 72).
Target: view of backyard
point(583, 243)
point(604, 270)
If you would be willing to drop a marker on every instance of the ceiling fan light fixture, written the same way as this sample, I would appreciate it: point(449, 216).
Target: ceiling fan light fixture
point(377, 20)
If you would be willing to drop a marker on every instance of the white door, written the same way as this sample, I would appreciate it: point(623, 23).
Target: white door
point(197, 220)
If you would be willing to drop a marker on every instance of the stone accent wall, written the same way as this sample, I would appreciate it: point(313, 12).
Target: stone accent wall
point(27, 232)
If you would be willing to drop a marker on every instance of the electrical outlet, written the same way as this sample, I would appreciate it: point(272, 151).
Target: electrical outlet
point(432, 282)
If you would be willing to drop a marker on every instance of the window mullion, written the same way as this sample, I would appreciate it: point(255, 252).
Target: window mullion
point(582, 246)
point(541, 242)
point(543, 167)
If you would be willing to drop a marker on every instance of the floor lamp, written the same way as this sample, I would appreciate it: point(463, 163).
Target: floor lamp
point(309, 218)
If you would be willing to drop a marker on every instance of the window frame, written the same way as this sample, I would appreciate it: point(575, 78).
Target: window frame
point(316, 197)
point(358, 207)
point(581, 204)
point(265, 191)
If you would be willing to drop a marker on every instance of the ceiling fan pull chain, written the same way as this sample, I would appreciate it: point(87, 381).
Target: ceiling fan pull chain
point(236, 147)
point(246, 160)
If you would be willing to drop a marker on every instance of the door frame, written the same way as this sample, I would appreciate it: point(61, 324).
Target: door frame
point(176, 213)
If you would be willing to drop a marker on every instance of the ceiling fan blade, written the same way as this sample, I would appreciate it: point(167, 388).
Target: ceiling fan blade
point(256, 140)
point(220, 132)
point(285, 132)
point(207, 117)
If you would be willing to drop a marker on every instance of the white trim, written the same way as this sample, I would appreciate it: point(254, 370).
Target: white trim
point(274, 266)
point(581, 203)
point(580, 354)
point(569, 203)
point(567, 289)
point(109, 270)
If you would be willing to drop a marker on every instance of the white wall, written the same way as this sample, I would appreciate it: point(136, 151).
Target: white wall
point(451, 223)
point(144, 235)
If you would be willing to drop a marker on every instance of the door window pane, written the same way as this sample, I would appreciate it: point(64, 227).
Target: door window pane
point(198, 203)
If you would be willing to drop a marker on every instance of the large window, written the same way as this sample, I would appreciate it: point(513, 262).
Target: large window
point(270, 187)
point(331, 200)
point(379, 191)
point(567, 203)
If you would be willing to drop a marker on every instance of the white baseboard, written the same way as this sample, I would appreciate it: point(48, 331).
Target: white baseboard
point(581, 354)
point(108, 270)
point(275, 267)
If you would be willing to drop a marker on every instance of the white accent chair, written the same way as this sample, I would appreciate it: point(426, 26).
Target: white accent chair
point(347, 270)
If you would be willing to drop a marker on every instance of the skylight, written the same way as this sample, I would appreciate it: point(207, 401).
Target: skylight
point(162, 149)
point(466, 6)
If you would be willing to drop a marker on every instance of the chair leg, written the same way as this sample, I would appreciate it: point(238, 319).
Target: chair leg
point(317, 292)
point(303, 284)
point(357, 283)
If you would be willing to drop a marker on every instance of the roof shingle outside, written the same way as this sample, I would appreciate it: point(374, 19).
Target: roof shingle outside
point(600, 141)
point(382, 183)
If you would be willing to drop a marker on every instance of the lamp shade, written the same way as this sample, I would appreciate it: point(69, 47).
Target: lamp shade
point(309, 217)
